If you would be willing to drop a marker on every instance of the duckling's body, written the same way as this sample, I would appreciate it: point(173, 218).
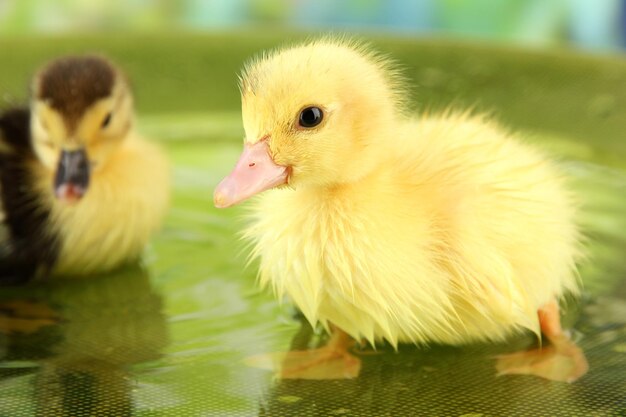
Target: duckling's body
point(452, 239)
point(388, 226)
point(88, 221)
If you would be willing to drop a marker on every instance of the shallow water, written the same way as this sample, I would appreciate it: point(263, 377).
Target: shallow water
point(170, 337)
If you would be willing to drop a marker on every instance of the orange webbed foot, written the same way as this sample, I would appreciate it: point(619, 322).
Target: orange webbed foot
point(561, 360)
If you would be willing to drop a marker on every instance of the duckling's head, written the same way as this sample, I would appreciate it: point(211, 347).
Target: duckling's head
point(81, 112)
point(312, 115)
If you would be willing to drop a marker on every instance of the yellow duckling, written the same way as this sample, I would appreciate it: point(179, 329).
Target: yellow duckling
point(81, 192)
point(386, 226)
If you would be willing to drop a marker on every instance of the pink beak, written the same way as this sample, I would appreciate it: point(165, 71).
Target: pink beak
point(255, 172)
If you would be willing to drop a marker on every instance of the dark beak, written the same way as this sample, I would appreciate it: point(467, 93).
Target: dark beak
point(72, 177)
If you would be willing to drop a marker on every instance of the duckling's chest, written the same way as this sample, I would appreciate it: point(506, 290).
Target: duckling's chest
point(113, 221)
point(344, 261)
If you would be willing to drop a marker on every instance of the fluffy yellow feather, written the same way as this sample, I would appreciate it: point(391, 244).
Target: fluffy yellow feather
point(390, 226)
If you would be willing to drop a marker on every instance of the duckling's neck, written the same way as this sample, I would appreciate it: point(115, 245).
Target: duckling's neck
point(372, 162)
point(338, 191)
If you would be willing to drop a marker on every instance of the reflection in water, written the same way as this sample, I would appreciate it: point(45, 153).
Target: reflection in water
point(446, 380)
point(79, 338)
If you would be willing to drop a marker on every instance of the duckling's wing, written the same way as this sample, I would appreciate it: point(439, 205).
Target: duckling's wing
point(4, 230)
point(5, 152)
point(9, 265)
point(18, 257)
point(5, 245)
point(5, 235)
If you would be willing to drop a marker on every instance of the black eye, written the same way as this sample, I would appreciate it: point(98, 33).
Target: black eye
point(106, 120)
point(310, 117)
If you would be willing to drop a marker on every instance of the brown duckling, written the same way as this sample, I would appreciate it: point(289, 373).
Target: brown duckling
point(80, 191)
